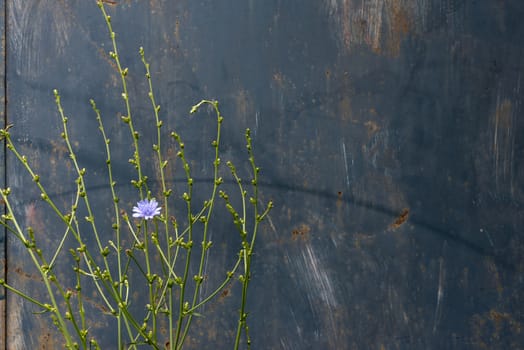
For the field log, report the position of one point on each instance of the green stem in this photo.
(47, 199)
(230, 275)
(22, 294)
(216, 183)
(83, 187)
(62, 241)
(79, 294)
(248, 248)
(125, 95)
(158, 149)
(55, 309)
(181, 312)
(149, 278)
(116, 225)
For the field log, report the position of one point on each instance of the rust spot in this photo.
(301, 232)
(495, 276)
(278, 78)
(45, 341)
(381, 25)
(225, 293)
(400, 26)
(340, 199)
(344, 107)
(401, 219)
(371, 126)
(489, 328)
(363, 240)
(109, 2)
(19, 271)
(401, 22)
(497, 316)
(243, 103)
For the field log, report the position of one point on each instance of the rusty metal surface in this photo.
(2, 171)
(389, 134)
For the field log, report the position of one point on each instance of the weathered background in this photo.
(389, 133)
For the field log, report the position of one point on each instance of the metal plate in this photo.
(389, 134)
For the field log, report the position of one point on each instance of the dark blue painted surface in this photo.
(389, 133)
(2, 173)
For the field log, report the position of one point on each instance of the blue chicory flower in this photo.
(146, 209)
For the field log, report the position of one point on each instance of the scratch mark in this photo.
(299, 329)
(256, 121)
(271, 224)
(503, 146)
(284, 344)
(318, 289)
(488, 236)
(440, 291)
(317, 278)
(334, 242)
(344, 154)
(269, 220)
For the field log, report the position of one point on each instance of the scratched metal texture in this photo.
(2, 171)
(390, 136)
